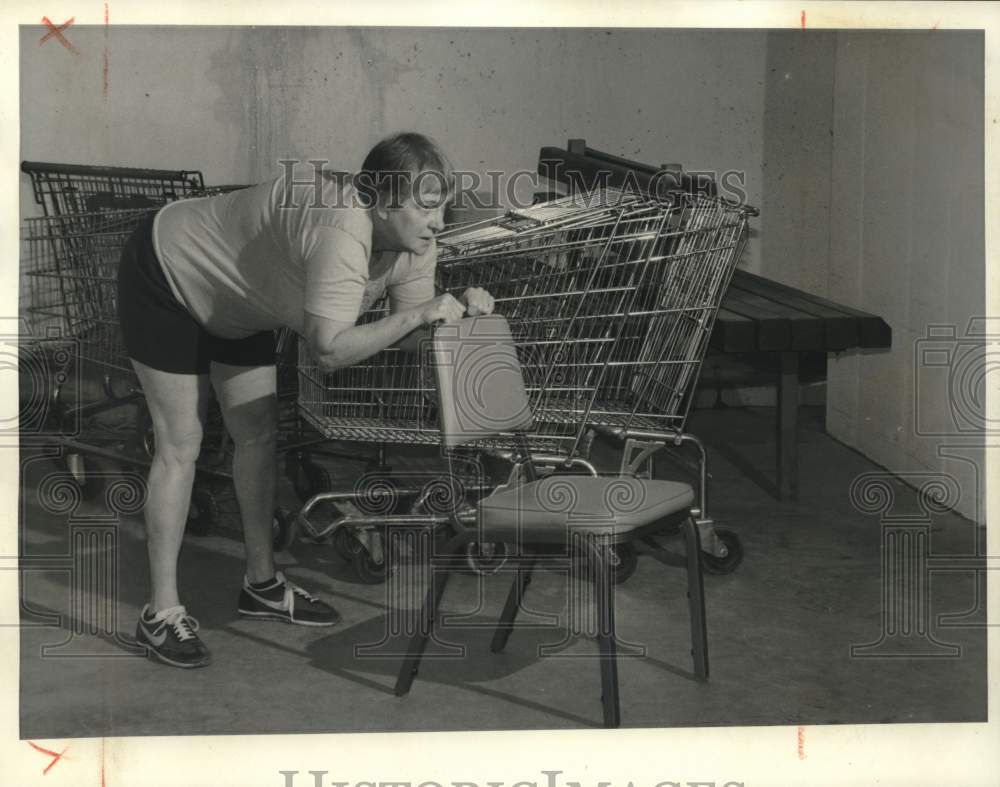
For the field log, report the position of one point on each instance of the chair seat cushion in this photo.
(603, 505)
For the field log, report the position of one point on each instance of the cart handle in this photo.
(43, 167)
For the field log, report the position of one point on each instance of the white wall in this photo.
(798, 145)
(873, 197)
(907, 225)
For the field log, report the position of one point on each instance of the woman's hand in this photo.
(443, 307)
(477, 301)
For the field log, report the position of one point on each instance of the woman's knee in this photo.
(253, 423)
(180, 446)
(263, 434)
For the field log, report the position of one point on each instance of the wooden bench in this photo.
(771, 331)
(784, 331)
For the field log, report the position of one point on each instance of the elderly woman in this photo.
(202, 287)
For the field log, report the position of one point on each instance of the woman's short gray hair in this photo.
(391, 167)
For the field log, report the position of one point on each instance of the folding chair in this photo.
(481, 395)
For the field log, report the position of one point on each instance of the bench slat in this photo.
(773, 332)
(805, 331)
(840, 330)
(733, 333)
(872, 330)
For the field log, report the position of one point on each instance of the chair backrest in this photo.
(480, 386)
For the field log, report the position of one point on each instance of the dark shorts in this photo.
(160, 332)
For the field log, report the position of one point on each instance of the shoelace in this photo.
(291, 590)
(304, 593)
(291, 587)
(184, 625)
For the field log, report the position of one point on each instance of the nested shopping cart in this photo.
(62, 189)
(71, 252)
(96, 408)
(70, 262)
(611, 298)
(71, 265)
(630, 343)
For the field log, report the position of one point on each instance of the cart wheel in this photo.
(345, 544)
(486, 558)
(308, 478)
(116, 388)
(149, 441)
(369, 570)
(284, 528)
(203, 513)
(734, 555)
(624, 561)
(87, 481)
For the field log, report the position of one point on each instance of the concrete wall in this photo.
(798, 146)
(495, 97)
(873, 197)
(232, 102)
(908, 220)
(169, 104)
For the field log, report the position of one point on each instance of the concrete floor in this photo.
(780, 627)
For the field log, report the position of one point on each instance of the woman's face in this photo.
(414, 224)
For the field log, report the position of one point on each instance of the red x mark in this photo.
(55, 756)
(57, 32)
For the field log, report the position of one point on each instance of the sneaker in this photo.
(284, 600)
(171, 636)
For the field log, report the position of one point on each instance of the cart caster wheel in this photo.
(115, 388)
(486, 558)
(369, 570)
(724, 565)
(308, 478)
(149, 442)
(345, 544)
(203, 513)
(284, 528)
(624, 561)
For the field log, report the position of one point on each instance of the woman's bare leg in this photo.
(248, 396)
(177, 405)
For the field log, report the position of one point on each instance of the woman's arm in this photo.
(475, 300)
(410, 294)
(338, 344)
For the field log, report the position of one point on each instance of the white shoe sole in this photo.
(286, 619)
(153, 654)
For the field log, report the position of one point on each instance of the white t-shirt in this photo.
(251, 260)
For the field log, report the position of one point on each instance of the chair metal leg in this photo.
(604, 593)
(418, 642)
(510, 609)
(696, 600)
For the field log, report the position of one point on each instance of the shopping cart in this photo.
(63, 189)
(70, 264)
(646, 359)
(70, 260)
(71, 253)
(611, 298)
